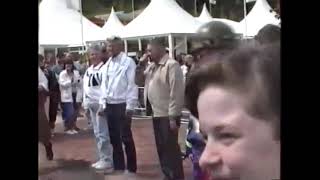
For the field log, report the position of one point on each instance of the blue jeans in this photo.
(101, 132)
(68, 114)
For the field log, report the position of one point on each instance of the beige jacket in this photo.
(164, 87)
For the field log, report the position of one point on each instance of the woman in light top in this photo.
(71, 96)
(91, 94)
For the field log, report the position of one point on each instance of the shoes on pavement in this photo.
(102, 165)
(94, 164)
(70, 132)
(75, 132)
(76, 128)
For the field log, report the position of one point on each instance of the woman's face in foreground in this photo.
(239, 146)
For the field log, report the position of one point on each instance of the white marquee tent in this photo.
(161, 18)
(60, 26)
(205, 17)
(113, 26)
(258, 17)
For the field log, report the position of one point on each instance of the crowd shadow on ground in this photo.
(61, 136)
(71, 170)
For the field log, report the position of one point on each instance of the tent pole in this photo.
(126, 46)
(80, 1)
(245, 15)
(171, 46)
(195, 8)
(140, 45)
(185, 45)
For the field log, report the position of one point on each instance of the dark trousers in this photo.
(76, 107)
(53, 107)
(168, 149)
(120, 132)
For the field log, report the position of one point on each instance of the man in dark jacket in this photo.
(54, 91)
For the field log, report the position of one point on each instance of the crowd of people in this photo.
(231, 87)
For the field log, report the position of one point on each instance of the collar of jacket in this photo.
(118, 57)
(98, 66)
(164, 59)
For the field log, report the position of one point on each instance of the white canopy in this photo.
(60, 26)
(161, 17)
(205, 17)
(258, 17)
(113, 26)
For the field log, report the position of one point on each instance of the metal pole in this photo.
(245, 15)
(140, 44)
(186, 44)
(132, 9)
(195, 8)
(210, 8)
(81, 19)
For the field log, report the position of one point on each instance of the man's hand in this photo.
(129, 113)
(101, 111)
(144, 59)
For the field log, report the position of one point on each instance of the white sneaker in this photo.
(94, 164)
(102, 165)
(74, 131)
(70, 132)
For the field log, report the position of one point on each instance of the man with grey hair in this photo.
(119, 97)
(164, 93)
(92, 81)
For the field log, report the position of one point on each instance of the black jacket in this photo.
(52, 81)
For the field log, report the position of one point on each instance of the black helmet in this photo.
(214, 35)
(268, 34)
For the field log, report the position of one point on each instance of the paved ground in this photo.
(75, 153)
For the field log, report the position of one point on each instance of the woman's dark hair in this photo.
(252, 72)
(60, 55)
(68, 60)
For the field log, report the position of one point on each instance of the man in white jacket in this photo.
(91, 95)
(119, 97)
